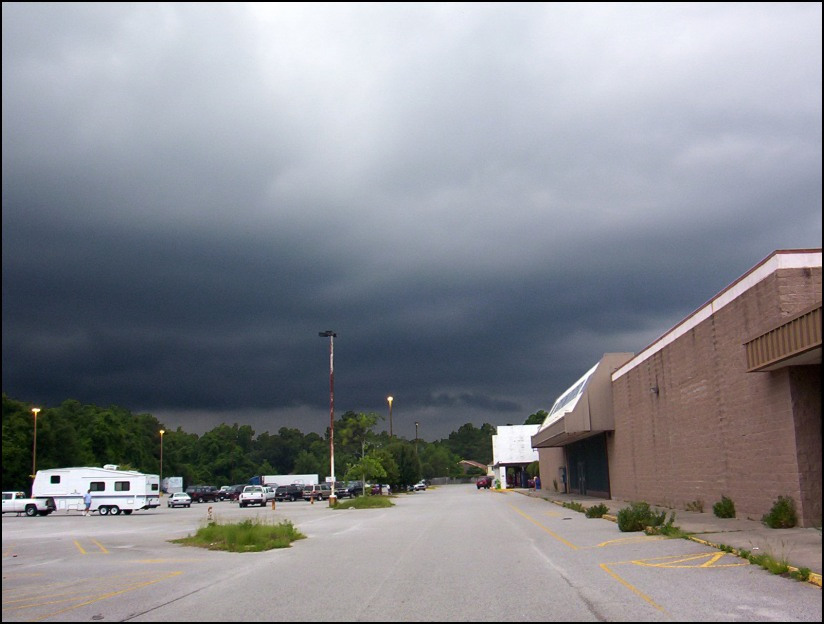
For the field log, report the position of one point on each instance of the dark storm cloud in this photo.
(480, 199)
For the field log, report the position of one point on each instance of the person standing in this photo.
(87, 501)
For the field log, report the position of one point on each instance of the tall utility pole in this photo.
(389, 398)
(34, 410)
(333, 500)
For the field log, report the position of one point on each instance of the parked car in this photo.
(420, 485)
(288, 492)
(484, 482)
(314, 492)
(252, 495)
(355, 488)
(269, 493)
(233, 493)
(341, 490)
(203, 493)
(179, 499)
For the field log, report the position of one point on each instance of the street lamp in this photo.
(161, 462)
(389, 398)
(416, 438)
(34, 410)
(333, 500)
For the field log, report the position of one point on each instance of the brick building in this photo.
(728, 402)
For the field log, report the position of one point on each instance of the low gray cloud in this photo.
(481, 199)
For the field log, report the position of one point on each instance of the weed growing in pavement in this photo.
(725, 508)
(597, 511)
(782, 515)
(801, 574)
(575, 506)
(638, 516)
(770, 563)
(696, 505)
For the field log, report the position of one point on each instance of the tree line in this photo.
(74, 434)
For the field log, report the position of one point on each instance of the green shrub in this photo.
(575, 506)
(638, 516)
(782, 515)
(597, 511)
(724, 509)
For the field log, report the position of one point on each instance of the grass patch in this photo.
(366, 502)
(251, 535)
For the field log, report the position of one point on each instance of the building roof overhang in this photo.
(795, 342)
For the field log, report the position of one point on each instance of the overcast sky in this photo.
(480, 199)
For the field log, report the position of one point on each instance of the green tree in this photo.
(537, 418)
(367, 468)
(407, 465)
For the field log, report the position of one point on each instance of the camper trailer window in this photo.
(121, 486)
(154, 487)
(97, 486)
(55, 479)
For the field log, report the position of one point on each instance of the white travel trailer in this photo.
(113, 490)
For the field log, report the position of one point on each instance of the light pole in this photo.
(161, 461)
(416, 438)
(34, 410)
(389, 398)
(333, 500)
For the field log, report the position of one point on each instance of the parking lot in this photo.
(447, 553)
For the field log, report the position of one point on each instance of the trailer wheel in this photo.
(103, 511)
(31, 511)
(115, 510)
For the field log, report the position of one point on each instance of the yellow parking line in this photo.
(632, 588)
(83, 551)
(555, 535)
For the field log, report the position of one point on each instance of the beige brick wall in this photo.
(715, 430)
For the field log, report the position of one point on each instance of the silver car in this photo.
(179, 499)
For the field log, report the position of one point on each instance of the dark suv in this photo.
(203, 493)
(288, 492)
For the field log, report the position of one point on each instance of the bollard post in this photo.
(273, 504)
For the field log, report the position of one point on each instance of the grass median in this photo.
(365, 502)
(251, 535)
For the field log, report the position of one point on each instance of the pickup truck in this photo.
(252, 495)
(16, 502)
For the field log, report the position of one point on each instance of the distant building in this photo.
(512, 448)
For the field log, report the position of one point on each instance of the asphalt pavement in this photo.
(799, 548)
